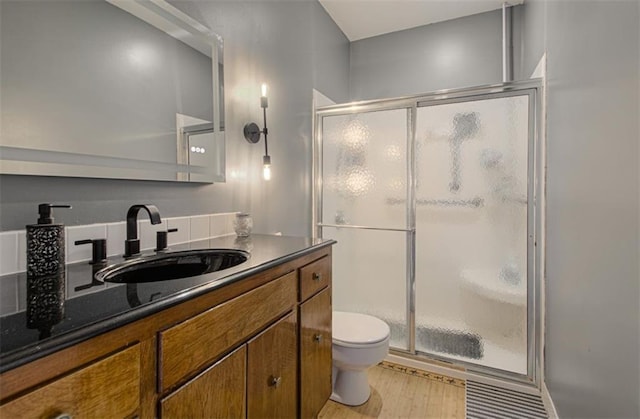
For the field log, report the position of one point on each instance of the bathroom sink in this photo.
(172, 265)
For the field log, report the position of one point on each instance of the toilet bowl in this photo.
(359, 342)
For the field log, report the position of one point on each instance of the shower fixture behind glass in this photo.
(432, 201)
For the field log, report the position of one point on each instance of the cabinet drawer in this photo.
(315, 353)
(188, 346)
(314, 277)
(109, 388)
(219, 392)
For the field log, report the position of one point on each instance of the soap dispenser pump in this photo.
(45, 270)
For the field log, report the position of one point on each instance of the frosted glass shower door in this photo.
(364, 174)
(472, 230)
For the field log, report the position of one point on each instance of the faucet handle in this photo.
(98, 249)
(161, 238)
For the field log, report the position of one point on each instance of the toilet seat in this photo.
(354, 330)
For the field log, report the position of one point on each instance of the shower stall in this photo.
(432, 200)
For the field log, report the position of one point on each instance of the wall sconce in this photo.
(252, 134)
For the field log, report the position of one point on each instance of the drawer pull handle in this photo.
(63, 416)
(275, 381)
(316, 276)
(317, 338)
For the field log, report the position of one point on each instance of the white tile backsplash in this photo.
(82, 252)
(8, 252)
(8, 295)
(199, 227)
(116, 235)
(22, 295)
(221, 224)
(216, 225)
(13, 244)
(22, 251)
(183, 224)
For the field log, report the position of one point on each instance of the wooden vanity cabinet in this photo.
(261, 375)
(315, 336)
(246, 373)
(259, 347)
(186, 347)
(315, 353)
(109, 387)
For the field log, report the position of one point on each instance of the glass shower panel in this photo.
(364, 184)
(369, 276)
(471, 231)
(364, 166)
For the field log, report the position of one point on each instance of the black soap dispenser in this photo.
(45, 271)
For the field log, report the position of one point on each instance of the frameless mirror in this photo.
(128, 89)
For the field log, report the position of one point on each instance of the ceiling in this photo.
(361, 19)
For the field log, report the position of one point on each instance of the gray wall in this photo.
(528, 38)
(292, 45)
(456, 53)
(593, 315)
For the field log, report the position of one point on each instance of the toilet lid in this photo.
(356, 328)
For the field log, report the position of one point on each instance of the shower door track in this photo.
(532, 88)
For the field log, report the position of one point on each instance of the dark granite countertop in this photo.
(91, 310)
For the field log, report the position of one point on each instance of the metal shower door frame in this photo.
(531, 88)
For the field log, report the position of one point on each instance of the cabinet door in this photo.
(272, 371)
(109, 388)
(219, 392)
(315, 353)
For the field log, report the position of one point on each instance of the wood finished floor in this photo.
(404, 394)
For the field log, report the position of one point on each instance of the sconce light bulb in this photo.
(266, 167)
(264, 89)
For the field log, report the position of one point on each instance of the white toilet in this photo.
(359, 342)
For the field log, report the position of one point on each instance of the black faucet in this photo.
(132, 244)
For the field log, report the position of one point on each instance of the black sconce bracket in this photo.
(252, 132)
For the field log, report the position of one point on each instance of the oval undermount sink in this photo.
(172, 265)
